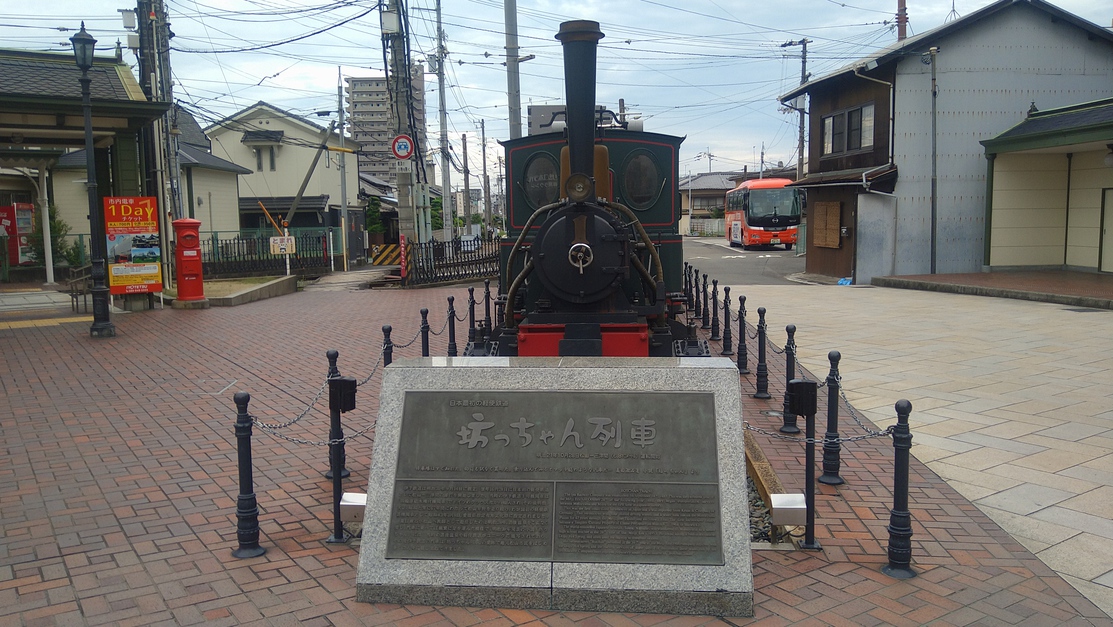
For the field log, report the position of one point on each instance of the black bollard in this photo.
(695, 293)
(900, 519)
(762, 368)
(341, 398)
(788, 424)
(247, 509)
(743, 349)
(831, 446)
(486, 309)
(451, 327)
(803, 400)
(715, 311)
(471, 314)
(728, 345)
(424, 332)
(688, 285)
(388, 346)
(706, 314)
(334, 373)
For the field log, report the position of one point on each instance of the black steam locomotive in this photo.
(592, 263)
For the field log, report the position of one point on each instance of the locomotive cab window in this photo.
(542, 185)
(641, 180)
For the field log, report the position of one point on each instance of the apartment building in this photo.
(373, 124)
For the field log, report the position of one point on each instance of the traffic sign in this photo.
(402, 147)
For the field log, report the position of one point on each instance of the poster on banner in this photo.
(134, 246)
(402, 251)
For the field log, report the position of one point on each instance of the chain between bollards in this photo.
(728, 346)
(900, 519)
(788, 418)
(743, 350)
(247, 508)
(831, 445)
(762, 369)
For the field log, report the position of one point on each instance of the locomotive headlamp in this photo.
(579, 187)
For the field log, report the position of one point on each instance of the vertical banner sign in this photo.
(134, 247)
(402, 251)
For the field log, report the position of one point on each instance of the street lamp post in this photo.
(83, 45)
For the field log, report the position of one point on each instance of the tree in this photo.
(436, 213)
(60, 248)
(373, 217)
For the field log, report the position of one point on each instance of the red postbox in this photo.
(187, 257)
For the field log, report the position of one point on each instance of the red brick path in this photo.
(118, 486)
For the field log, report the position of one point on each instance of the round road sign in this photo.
(402, 147)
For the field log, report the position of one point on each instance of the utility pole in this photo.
(170, 121)
(393, 29)
(513, 88)
(467, 188)
(343, 174)
(446, 160)
(486, 179)
(803, 43)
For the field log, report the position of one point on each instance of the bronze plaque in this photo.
(624, 477)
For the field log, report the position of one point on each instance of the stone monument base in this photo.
(583, 553)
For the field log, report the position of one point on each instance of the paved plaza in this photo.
(118, 487)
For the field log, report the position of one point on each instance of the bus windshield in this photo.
(766, 203)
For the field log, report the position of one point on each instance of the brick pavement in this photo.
(118, 489)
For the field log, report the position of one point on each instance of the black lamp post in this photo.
(83, 44)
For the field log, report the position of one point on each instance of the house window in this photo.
(258, 159)
(271, 150)
(848, 131)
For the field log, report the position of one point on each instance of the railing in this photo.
(246, 255)
(459, 259)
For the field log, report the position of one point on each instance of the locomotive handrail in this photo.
(525, 230)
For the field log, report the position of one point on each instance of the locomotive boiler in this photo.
(592, 261)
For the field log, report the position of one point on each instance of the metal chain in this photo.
(442, 328)
(872, 434)
(854, 414)
(263, 427)
(301, 415)
(412, 340)
(374, 368)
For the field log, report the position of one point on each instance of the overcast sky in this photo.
(709, 70)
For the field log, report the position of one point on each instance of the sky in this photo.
(707, 70)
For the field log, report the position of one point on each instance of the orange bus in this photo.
(763, 212)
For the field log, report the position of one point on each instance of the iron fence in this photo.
(245, 255)
(458, 259)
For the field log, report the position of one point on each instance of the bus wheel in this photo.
(788, 246)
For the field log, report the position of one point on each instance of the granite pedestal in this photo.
(571, 558)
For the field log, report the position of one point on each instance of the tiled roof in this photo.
(56, 75)
(708, 180)
(1089, 114)
(262, 137)
(281, 204)
(191, 130)
(191, 156)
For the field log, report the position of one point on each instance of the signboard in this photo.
(134, 247)
(402, 255)
(283, 245)
(402, 147)
(593, 476)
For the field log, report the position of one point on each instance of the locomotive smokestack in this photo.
(580, 39)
